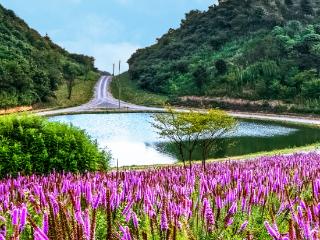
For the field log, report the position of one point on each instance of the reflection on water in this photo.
(253, 129)
(136, 153)
(130, 137)
(132, 140)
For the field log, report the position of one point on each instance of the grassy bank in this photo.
(295, 150)
(130, 92)
(82, 92)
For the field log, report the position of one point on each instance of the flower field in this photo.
(268, 198)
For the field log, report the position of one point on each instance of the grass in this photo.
(82, 92)
(308, 148)
(130, 92)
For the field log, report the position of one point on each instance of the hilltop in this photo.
(256, 50)
(32, 67)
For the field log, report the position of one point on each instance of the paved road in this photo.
(275, 117)
(103, 100)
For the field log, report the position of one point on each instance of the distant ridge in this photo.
(31, 66)
(250, 49)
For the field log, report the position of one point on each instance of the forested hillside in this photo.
(250, 49)
(32, 66)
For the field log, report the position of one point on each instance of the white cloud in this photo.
(105, 36)
(108, 53)
(105, 53)
(97, 36)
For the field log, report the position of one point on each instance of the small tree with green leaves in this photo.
(190, 129)
(169, 126)
(213, 125)
(70, 72)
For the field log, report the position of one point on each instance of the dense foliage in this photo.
(32, 66)
(30, 144)
(253, 49)
(268, 198)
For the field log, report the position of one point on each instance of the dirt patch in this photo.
(15, 110)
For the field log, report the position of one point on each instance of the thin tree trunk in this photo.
(182, 156)
(70, 86)
(190, 159)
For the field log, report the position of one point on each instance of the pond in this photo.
(133, 141)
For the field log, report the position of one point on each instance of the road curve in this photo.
(103, 100)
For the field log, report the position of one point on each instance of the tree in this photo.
(288, 2)
(213, 125)
(311, 89)
(70, 72)
(221, 66)
(169, 127)
(306, 7)
(190, 129)
(200, 76)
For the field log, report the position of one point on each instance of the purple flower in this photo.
(87, 223)
(208, 214)
(15, 216)
(233, 209)
(45, 223)
(272, 232)
(96, 202)
(23, 218)
(164, 221)
(135, 220)
(125, 233)
(40, 235)
(243, 226)
(3, 231)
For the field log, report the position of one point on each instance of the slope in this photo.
(32, 67)
(252, 49)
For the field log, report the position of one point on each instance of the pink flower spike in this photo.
(135, 220)
(243, 226)
(272, 232)
(15, 217)
(40, 234)
(23, 218)
(164, 221)
(45, 223)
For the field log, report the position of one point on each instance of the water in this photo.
(132, 140)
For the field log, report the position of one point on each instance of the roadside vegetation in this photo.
(130, 92)
(252, 50)
(33, 145)
(82, 92)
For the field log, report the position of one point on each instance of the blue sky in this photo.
(109, 30)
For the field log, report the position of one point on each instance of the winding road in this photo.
(103, 101)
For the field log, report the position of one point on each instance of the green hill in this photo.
(250, 49)
(32, 67)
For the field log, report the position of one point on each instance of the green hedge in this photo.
(31, 144)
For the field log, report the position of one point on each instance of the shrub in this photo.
(31, 144)
(221, 66)
(311, 89)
